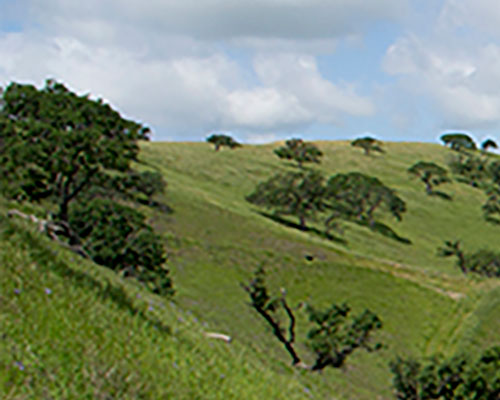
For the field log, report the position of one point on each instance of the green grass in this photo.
(95, 336)
(72, 330)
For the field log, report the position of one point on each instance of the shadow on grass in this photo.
(384, 230)
(47, 260)
(290, 224)
(157, 205)
(442, 195)
(492, 220)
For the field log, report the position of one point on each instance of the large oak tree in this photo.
(54, 142)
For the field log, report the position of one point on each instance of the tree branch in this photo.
(52, 230)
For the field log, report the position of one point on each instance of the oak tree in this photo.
(298, 194)
(458, 141)
(488, 144)
(76, 154)
(299, 151)
(358, 196)
(368, 144)
(430, 174)
(222, 140)
(54, 142)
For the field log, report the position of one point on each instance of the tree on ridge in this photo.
(368, 144)
(222, 140)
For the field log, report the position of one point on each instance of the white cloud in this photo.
(299, 74)
(172, 63)
(460, 79)
(187, 94)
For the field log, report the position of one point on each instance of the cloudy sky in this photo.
(265, 70)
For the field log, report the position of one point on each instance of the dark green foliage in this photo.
(269, 309)
(299, 151)
(54, 142)
(222, 140)
(457, 378)
(482, 262)
(491, 208)
(458, 141)
(430, 174)
(494, 172)
(140, 187)
(353, 196)
(118, 237)
(299, 194)
(358, 196)
(336, 335)
(471, 170)
(368, 144)
(405, 380)
(488, 144)
(452, 249)
(76, 154)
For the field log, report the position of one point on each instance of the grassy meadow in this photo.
(73, 330)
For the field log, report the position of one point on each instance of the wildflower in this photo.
(48, 291)
(19, 365)
(175, 365)
(17, 291)
(150, 308)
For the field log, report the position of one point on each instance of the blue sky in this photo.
(266, 70)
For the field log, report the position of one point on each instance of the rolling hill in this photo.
(71, 329)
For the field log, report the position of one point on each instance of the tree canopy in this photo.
(334, 334)
(430, 174)
(299, 151)
(54, 142)
(458, 141)
(482, 262)
(358, 196)
(458, 377)
(491, 208)
(488, 144)
(77, 154)
(222, 140)
(118, 237)
(299, 194)
(470, 169)
(368, 144)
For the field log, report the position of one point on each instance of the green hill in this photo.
(71, 329)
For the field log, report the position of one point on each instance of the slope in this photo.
(217, 240)
(71, 329)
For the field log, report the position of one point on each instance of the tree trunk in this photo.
(279, 335)
(302, 223)
(63, 211)
(461, 262)
(428, 186)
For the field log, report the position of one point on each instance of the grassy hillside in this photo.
(95, 330)
(72, 330)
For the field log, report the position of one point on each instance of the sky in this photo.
(267, 70)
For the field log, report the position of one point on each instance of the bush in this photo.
(118, 237)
